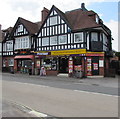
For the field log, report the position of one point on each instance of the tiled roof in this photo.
(31, 27)
(80, 19)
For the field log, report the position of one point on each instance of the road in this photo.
(57, 100)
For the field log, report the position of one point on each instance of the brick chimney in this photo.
(44, 14)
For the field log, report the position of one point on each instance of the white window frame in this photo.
(45, 41)
(53, 20)
(20, 28)
(78, 37)
(62, 39)
(53, 40)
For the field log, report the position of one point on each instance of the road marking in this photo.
(32, 84)
(28, 110)
(37, 114)
(96, 93)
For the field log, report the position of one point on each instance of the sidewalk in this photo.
(96, 81)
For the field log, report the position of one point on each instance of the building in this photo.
(70, 42)
(73, 41)
(7, 51)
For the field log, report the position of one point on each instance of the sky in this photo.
(10, 10)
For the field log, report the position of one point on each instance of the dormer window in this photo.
(20, 28)
(97, 19)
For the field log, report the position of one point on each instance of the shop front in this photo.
(71, 62)
(24, 64)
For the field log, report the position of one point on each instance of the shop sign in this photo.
(69, 52)
(42, 53)
(95, 66)
(89, 67)
(101, 63)
(23, 52)
(38, 63)
(95, 54)
(70, 66)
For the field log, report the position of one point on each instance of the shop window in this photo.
(50, 63)
(11, 62)
(78, 61)
(4, 62)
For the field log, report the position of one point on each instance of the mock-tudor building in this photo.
(74, 41)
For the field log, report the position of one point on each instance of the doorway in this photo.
(63, 65)
(95, 65)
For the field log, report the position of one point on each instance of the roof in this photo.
(30, 26)
(80, 19)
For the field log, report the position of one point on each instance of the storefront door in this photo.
(63, 65)
(95, 65)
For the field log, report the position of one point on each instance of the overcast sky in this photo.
(10, 10)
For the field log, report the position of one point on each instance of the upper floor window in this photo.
(53, 20)
(94, 36)
(53, 40)
(20, 28)
(9, 45)
(62, 39)
(78, 37)
(105, 41)
(23, 42)
(97, 19)
(45, 41)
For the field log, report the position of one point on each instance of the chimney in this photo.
(44, 14)
(83, 7)
(0, 33)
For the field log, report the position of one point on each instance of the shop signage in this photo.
(42, 53)
(89, 68)
(101, 63)
(68, 52)
(70, 66)
(95, 66)
(94, 54)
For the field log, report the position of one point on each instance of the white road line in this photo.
(37, 114)
(32, 84)
(96, 93)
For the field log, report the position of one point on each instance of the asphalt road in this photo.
(62, 84)
(55, 99)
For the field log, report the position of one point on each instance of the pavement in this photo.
(97, 81)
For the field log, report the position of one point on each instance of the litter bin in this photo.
(30, 71)
(78, 74)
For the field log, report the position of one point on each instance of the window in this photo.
(20, 28)
(97, 19)
(9, 45)
(63, 39)
(53, 20)
(11, 62)
(78, 37)
(23, 42)
(105, 39)
(45, 41)
(53, 40)
(94, 36)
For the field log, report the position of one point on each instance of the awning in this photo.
(24, 57)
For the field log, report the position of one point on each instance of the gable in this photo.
(20, 30)
(54, 24)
